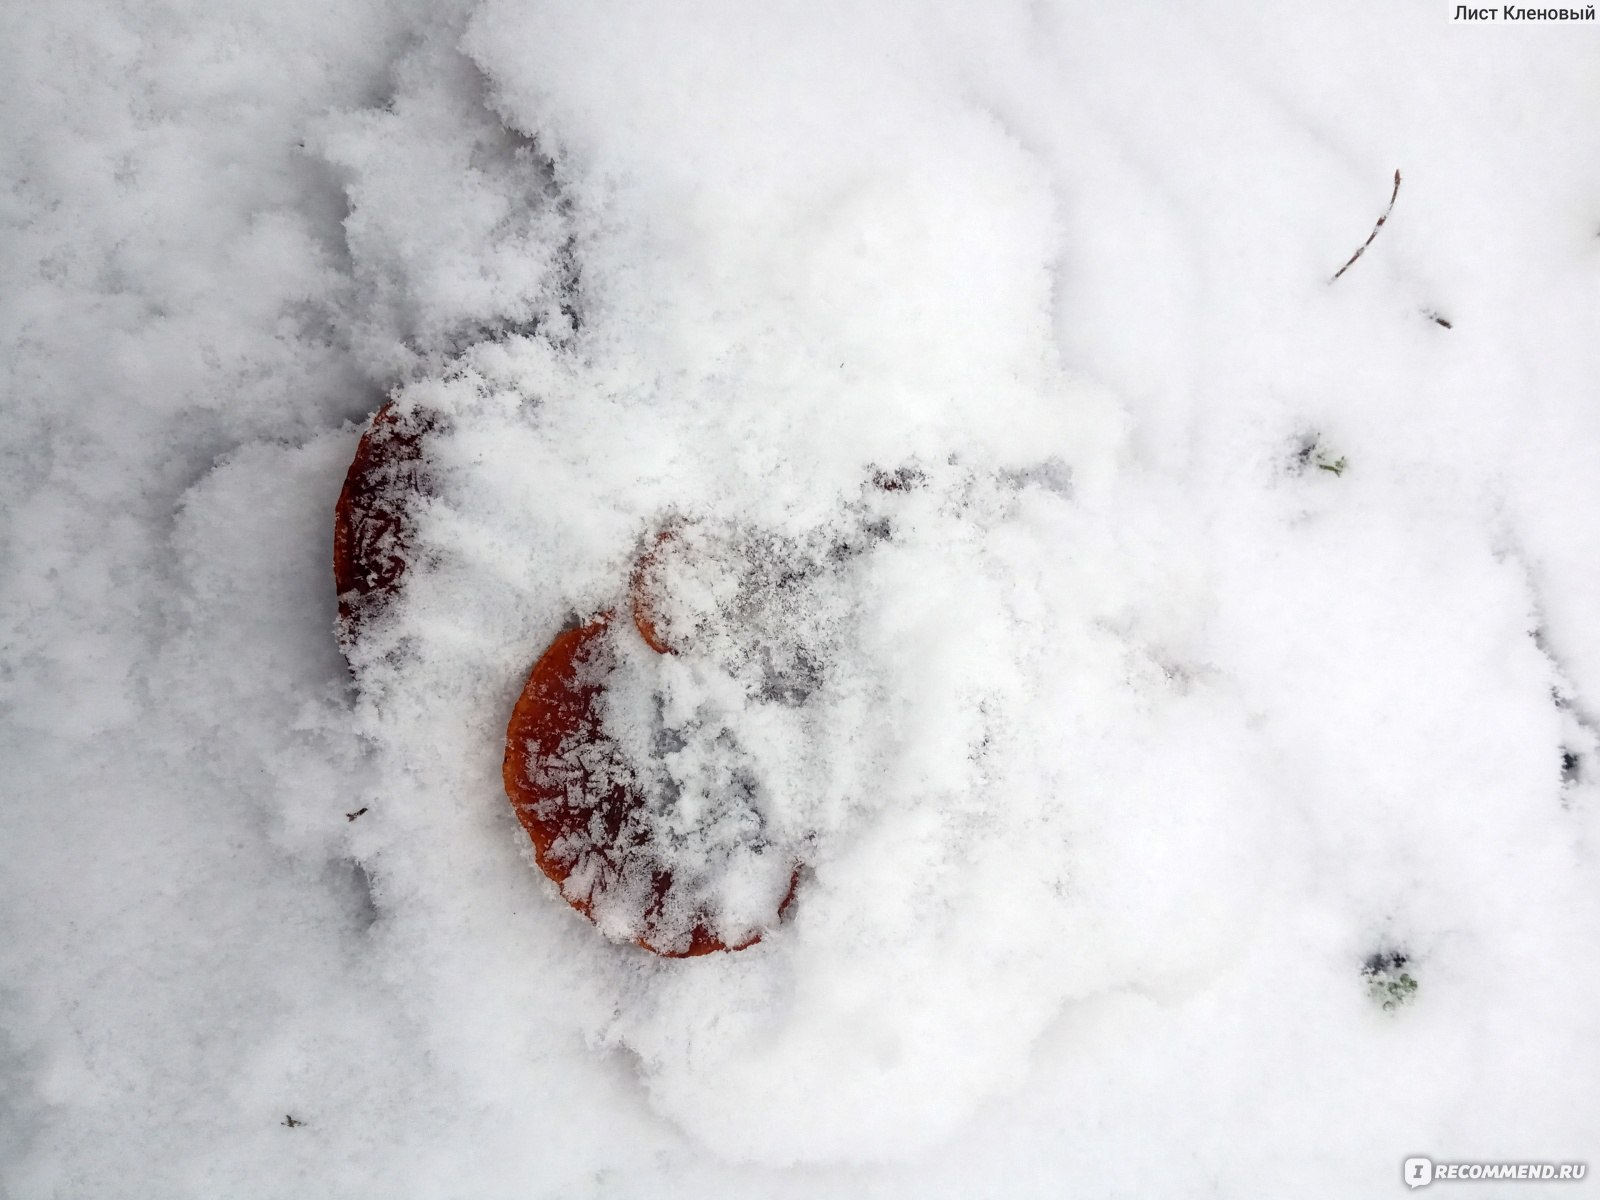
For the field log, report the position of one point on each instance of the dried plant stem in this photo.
(1362, 249)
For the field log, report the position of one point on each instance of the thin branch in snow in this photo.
(1363, 247)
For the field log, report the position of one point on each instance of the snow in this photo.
(1219, 648)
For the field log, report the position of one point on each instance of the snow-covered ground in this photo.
(1195, 765)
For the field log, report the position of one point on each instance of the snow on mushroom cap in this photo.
(906, 683)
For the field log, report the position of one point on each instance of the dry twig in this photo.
(1363, 248)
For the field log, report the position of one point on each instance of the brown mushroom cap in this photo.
(644, 595)
(558, 709)
(560, 798)
(372, 529)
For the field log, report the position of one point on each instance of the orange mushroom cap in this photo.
(553, 795)
(558, 710)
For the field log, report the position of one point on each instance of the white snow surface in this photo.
(1225, 647)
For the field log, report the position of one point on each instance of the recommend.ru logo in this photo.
(1419, 1172)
